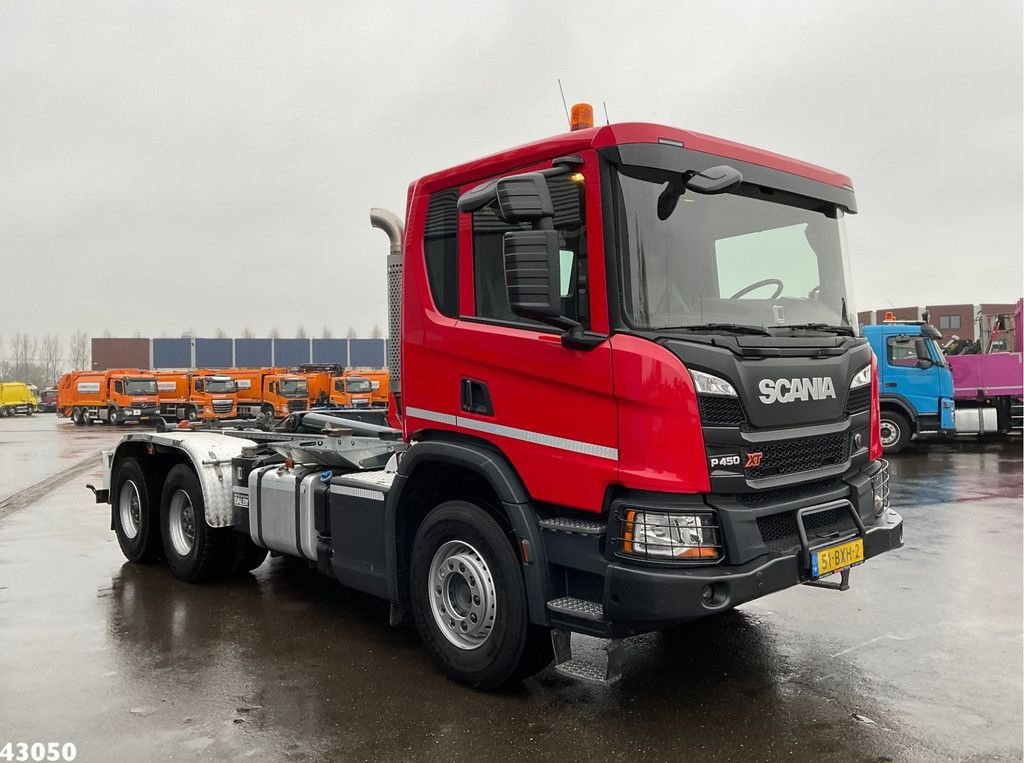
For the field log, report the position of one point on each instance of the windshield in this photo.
(753, 257)
(294, 388)
(221, 385)
(358, 385)
(140, 386)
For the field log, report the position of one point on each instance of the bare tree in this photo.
(300, 333)
(107, 334)
(25, 348)
(53, 357)
(326, 332)
(247, 333)
(220, 333)
(274, 333)
(351, 334)
(137, 335)
(78, 351)
(376, 333)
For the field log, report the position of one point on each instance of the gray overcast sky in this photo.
(175, 166)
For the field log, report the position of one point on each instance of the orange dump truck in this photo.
(114, 396)
(268, 390)
(196, 395)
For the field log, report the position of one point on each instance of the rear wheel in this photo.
(895, 431)
(469, 599)
(136, 515)
(30, 411)
(77, 417)
(194, 551)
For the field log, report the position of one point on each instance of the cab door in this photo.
(905, 375)
(548, 408)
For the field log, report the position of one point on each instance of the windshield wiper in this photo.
(736, 328)
(846, 330)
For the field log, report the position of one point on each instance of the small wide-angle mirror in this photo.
(715, 179)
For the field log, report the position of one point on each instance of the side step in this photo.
(581, 670)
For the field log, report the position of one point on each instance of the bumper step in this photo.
(582, 670)
(579, 608)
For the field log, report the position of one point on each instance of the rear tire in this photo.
(77, 417)
(136, 514)
(469, 599)
(895, 432)
(195, 552)
(30, 411)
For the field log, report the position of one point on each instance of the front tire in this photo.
(469, 599)
(895, 432)
(136, 514)
(195, 552)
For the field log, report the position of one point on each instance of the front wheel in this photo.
(194, 551)
(469, 599)
(193, 414)
(895, 432)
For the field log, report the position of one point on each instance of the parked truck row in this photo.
(610, 412)
(122, 395)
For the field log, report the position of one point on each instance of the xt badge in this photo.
(753, 459)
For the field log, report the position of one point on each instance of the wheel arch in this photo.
(455, 467)
(900, 405)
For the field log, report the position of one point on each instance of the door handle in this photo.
(890, 384)
(475, 397)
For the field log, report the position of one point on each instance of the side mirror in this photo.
(924, 358)
(715, 179)
(524, 198)
(532, 274)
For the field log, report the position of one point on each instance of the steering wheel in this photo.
(758, 285)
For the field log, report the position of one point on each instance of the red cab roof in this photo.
(632, 132)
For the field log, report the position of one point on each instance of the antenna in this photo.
(564, 106)
(607, 121)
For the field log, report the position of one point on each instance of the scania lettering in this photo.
(788, 390)
(577, 326)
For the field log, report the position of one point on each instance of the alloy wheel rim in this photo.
(463, 598)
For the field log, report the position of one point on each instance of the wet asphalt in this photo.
(920, 660)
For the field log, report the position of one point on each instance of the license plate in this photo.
(136, 412)
(241, 501)
(835, 558)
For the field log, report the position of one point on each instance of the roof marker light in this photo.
(582, 116)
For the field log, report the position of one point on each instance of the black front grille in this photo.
(719, 411)
(779, 531)
(797, 455)
(789, 493)
(859, 400)
(296, 405)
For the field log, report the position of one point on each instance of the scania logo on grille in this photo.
(788, 390)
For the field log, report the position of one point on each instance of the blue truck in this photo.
(915, 384)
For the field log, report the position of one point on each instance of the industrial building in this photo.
(949, 319)
(199, 352)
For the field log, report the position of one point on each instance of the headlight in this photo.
(862, 377)
(661, 535)
(707, 384)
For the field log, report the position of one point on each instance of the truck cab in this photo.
(285, 393)
(352, 391)
(17, 397)
(915, 382)
(214, 396)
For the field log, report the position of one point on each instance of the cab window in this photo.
(902, 351)
(118, 388)
(489, 265)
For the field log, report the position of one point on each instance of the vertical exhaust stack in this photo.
(391, 224)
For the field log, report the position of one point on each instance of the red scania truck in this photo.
(626, 392)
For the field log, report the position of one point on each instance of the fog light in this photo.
(661, 535)
(707, 594)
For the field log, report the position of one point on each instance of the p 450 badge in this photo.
(724, 462)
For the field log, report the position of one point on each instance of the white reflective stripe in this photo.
(525, 435)
(357, 492)
(440, 418)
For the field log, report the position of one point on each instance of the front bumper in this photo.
(637, 599)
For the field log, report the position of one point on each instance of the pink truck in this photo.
(988, 386)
